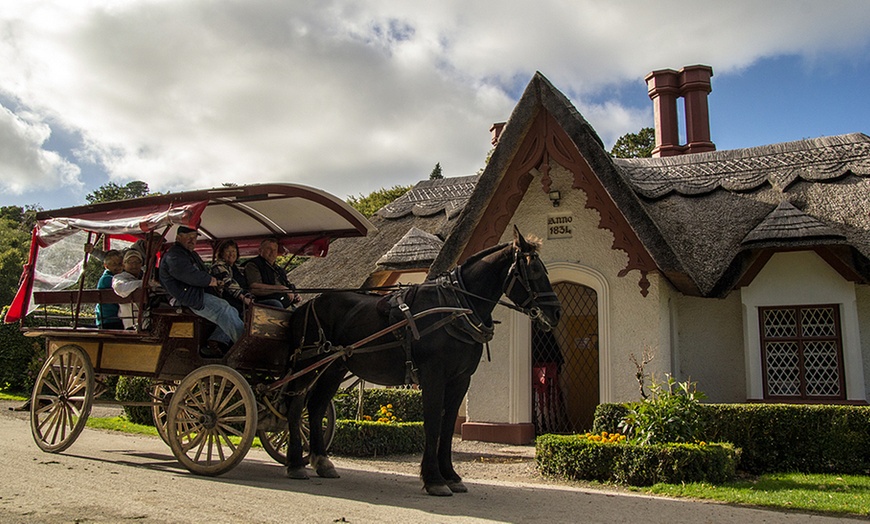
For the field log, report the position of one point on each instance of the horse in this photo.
(439, 350)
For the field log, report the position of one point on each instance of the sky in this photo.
(351, 96)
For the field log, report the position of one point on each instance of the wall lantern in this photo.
(555, 197)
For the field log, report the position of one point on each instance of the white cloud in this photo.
(24, 163)
(351, 96)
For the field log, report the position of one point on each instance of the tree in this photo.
(635, 145)
(436, 172)
(112, 191)
(14, 244)
(370, 204)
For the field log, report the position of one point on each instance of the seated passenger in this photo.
(125, 283)
(267, 281)
(232, 284)
(183, 274)
(107, 314)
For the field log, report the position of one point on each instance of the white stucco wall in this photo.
(709, 342)
(801, 278)
(628, 322)
(862, 298)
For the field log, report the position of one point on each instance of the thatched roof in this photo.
(416, 249)
(410, 231)
(704, 218)
(716, 209)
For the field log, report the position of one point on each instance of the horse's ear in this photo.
(520, 240)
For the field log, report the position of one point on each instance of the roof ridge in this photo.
(817, 159)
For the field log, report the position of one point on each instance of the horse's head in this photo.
(528, 285)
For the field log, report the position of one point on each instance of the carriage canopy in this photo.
(303, 220)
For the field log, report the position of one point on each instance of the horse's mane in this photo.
(533, 241)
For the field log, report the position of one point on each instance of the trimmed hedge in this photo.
(135, 389)
(568, 456)
(780, 437)
(362, 438)
(16, 354)
(407, 403)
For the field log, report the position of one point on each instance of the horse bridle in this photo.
(519, 274)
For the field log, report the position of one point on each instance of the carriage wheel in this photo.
(61, 399)
(275, 442)
(162, 396)
(212, 420)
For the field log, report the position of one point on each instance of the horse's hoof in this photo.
(324, 467)
(438, 490)
(297, 473)
(457, 487)
(328, 473)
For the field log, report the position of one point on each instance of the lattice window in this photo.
(802, 353)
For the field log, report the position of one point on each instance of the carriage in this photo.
(207, 410)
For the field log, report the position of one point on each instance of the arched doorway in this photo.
(565, 364)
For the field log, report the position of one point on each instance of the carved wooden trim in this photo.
(546, 141)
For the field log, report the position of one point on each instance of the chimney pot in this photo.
(496, 130)
(663, 87)
(694, 87)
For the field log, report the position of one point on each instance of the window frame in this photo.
(801, 340)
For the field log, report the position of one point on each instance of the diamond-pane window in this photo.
(802, 353)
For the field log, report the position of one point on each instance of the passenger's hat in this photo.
(184, 229)
(131, 253)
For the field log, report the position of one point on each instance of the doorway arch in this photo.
(570, 367)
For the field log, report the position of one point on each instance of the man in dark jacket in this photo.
(267, 281)
(185, 277)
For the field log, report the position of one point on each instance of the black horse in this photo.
(439, 350)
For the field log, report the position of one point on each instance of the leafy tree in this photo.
(112, 191)
(24, 218)
(486, 161)
(14, 244)
(370, 204)
(635, 145)
(436, 172)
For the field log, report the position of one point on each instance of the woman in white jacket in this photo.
(125, 283)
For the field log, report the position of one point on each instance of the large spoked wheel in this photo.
(212, 420)
(61, 399)
(275, 442)
(161, 395)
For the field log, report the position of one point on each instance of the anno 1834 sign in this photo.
(560, 225)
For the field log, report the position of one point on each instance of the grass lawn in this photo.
(124, 425)
(840, 494)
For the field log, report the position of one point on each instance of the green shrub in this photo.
(362, 438)
(407, 403)
(779, 437)
(579, 458)
(16, 354)
(670, 414)
(135, 389)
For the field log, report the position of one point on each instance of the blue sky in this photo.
(352, 96)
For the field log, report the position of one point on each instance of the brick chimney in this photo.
(496, 130)
(664, 87)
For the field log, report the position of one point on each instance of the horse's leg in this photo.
(295, 464)
(433, 405)
(453, 395)
(318, 401)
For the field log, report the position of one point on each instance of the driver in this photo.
(185, 277)
(268, 281)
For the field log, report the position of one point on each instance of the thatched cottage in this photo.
(745, 271)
